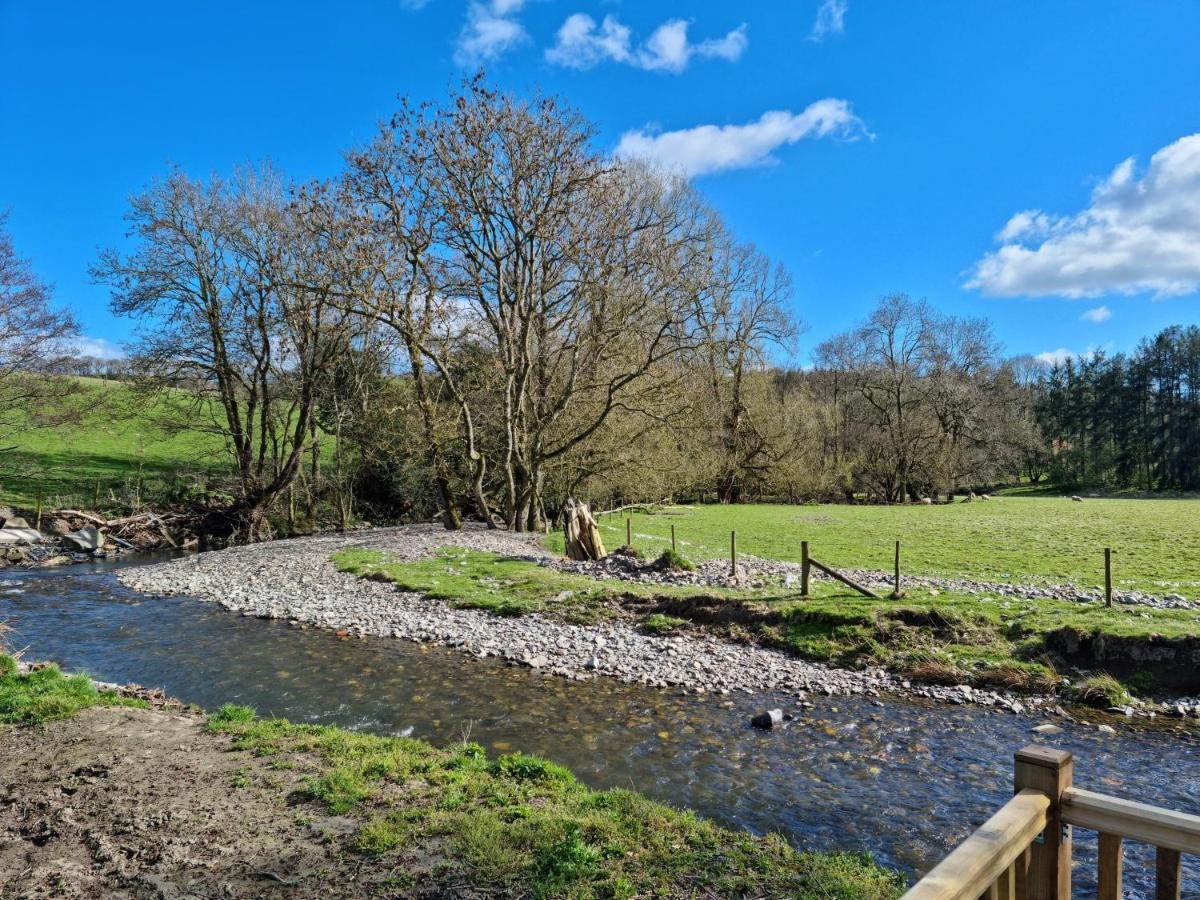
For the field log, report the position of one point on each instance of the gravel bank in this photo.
(294, 580)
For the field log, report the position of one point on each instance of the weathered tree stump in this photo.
(582, 537)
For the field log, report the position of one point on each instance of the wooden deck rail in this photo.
(1023, 852)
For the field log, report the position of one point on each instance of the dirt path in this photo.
(119, 802)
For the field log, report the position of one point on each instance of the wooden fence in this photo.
(1024, 850)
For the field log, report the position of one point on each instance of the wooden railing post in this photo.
(1112, 864)
(1051, 772)
(1166, 874)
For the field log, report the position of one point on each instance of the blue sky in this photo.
(973, 153)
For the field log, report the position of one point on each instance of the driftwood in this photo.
(582, 537)
(87, 517)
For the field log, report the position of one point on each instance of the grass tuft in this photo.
(46, 694)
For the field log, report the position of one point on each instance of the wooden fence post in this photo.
(1051, 772)
(733, 553)
(896, 592)
(673, 548)
(628, 532)
(804, 568)
(1108, 576)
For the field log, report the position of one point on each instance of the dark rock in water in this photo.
(772, 718)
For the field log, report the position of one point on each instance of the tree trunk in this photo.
(582, 537)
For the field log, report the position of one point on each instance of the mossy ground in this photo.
(523, 826)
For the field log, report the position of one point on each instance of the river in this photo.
(904, 780)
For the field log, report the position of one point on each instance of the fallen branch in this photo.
(87, 517)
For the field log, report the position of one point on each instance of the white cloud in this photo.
(100, 348)
(1055, 357)
(582, 43)
(831, 19)
(714, 148)
(1140, 234)
(1098, 314)
(490, 31)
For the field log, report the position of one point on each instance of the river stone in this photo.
(15, 522)
(16, 536)
(1047, 728)
(58, 527)
(771, 718)
(88, 538)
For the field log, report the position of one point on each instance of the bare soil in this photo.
(118, 802)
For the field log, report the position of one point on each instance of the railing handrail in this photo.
(1024, 850)
(1140, 822)
(976, 864)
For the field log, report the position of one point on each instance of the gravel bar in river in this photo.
(295, 580)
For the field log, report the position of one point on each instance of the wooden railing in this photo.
(1023, 852)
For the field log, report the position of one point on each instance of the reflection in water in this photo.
(904, 780)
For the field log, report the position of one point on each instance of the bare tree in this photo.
(510, 237)
(746, 319)
(35, 341)
(235, 300)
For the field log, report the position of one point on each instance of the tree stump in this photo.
(582, 537)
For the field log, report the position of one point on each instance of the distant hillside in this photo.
(110, 441)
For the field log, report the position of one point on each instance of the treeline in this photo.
(481, 316)
(1126, 421)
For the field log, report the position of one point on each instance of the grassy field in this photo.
(110, 441)
(514, 825)
(1017, 538)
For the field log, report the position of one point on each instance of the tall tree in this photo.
(235, 301)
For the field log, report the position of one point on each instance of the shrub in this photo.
(660, 624)
(522, 767)
(669, 560)
(1100, 690)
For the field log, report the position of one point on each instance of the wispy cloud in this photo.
(491, 30)
(831, 19)
(1139, 235)
(1054, 357)
(1062, 354)
(97, 347)
(715, 148)
(581, 43)
(1097, 314)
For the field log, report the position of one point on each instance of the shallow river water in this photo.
(904, 780)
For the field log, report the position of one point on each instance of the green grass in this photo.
(934, 637)
(502, 585)
(1021, 538)
(48, 694)
(114, 442)
(519, 825)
